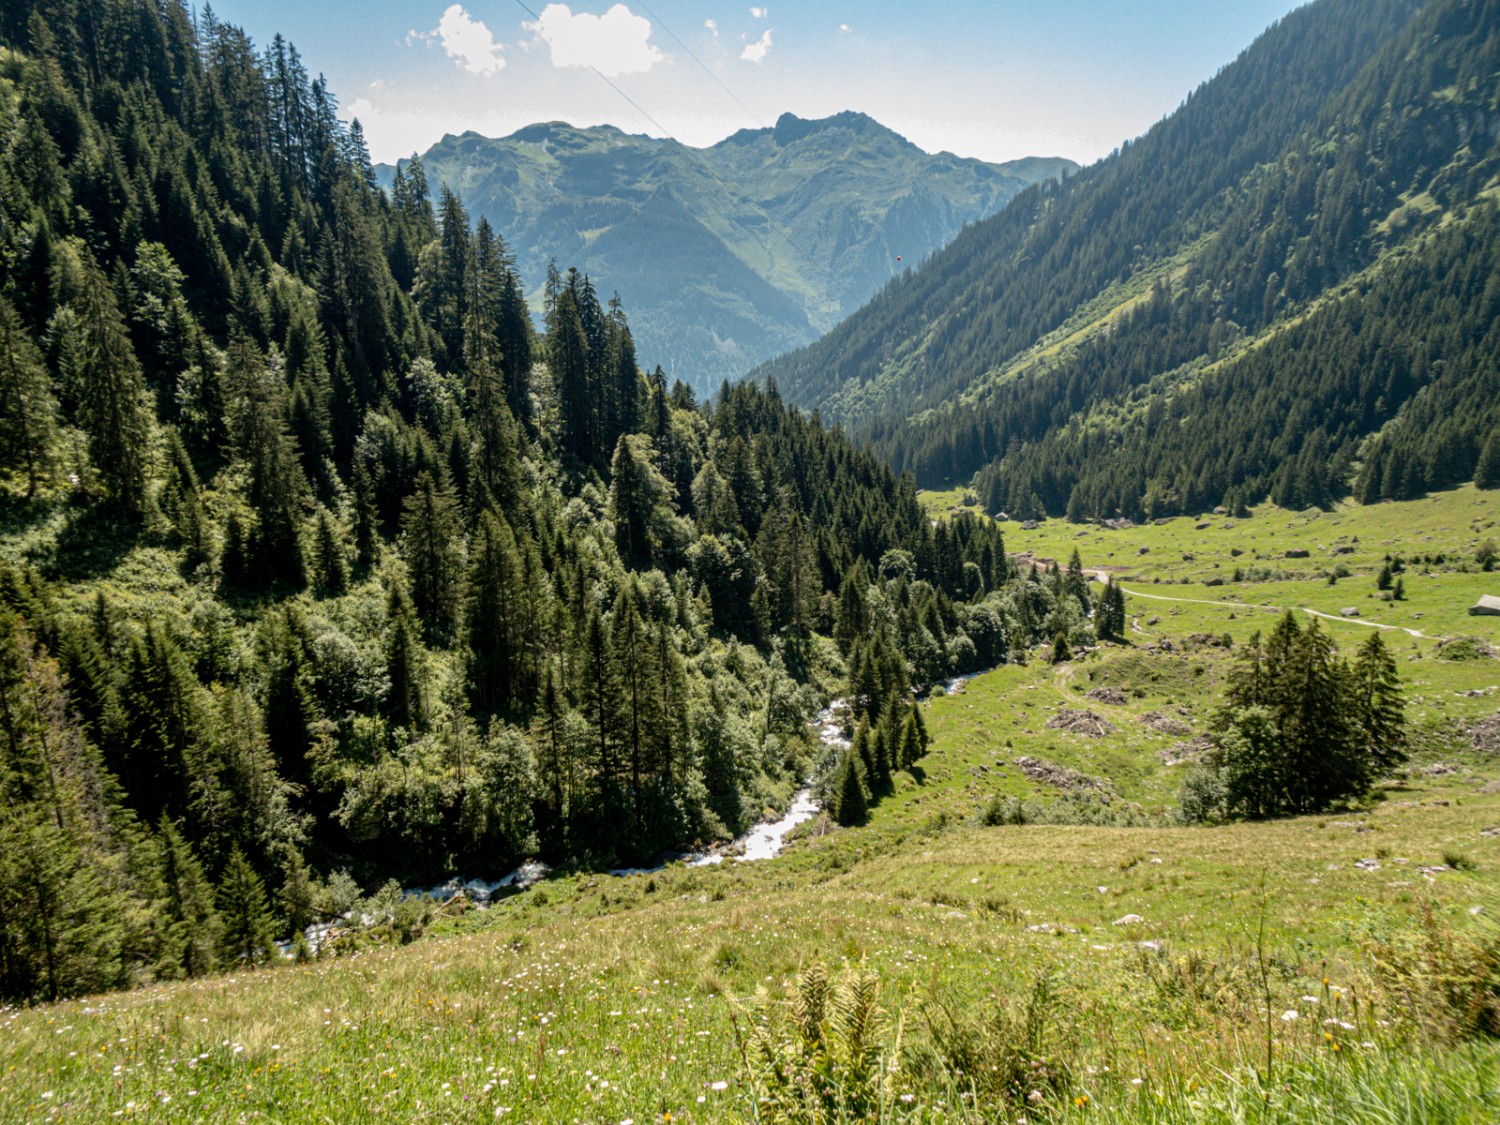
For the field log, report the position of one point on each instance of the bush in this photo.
(1202, 797)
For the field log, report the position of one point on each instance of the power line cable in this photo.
(706, 70)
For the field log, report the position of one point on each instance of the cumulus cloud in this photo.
(755, 52)
(618, 42)
(758, 13)
(467, 41)
(713, 26)
(844, 27)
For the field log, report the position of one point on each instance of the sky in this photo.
(992, 79)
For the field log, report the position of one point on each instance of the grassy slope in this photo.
(536, 1004)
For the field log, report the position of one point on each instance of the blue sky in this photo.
(995, 80)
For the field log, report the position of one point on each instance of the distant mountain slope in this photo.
(1272, 291)
(732, 254)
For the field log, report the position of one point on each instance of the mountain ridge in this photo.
(823, 210)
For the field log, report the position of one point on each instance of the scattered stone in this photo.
(1164, 724)
(1200, 640)
(1180, 753)
(1221, 510)
(1121, 524)
(1367, 864)
(1343, 549)
(1129, 920)
(1162, 521)
(1215, 581)
(1111, 695)
(1235, 552)
(1081, 722)
(1297, 553)
(1153, 620)
(1440, 769)
(1143, 550)
(1228, 525)
(1052, 774)
(1476, 910)
(1490, 833)
(1204, 526)
(1029, 525)
(1349, 611)
(1157, 860)
(1050, 928)
(1485, 735)
(1186, 557)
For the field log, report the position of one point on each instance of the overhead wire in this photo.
(706, 68)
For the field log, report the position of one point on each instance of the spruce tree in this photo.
(433, 542)
(246, 937)
(1487, 470)
(190, 924)
(113, 408)
(850, 801)
(493, 617)
(403, 658)
(330, 569)
(1379, 711)
(28, 411)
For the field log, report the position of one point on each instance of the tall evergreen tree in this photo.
(245, 915)
(113, 407)
(28, 409)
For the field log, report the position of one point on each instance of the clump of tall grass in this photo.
(1080, 809)
(1447, 982)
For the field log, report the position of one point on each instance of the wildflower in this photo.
(721, 1085)
(1289, 1015)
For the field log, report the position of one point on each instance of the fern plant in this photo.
(820, 1056)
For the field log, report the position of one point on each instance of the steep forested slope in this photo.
(1299, 258)
(319, 567)
(732, 254)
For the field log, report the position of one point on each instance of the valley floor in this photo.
(1312, 969)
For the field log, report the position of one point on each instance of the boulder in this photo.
(1297, 553)
(1487, 606)
(1348, 611)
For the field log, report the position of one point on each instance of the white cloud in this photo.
(467, 41)
(615, 43)
(713, 26)
(758, 13)
(755, 52)
(845, 27)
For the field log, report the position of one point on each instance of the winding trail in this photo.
(1100, 575)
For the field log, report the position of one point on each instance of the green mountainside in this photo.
(731, 254)
(322, 569)
(1285, 288)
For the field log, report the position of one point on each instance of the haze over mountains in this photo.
(1288, 287)
(729, 255)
